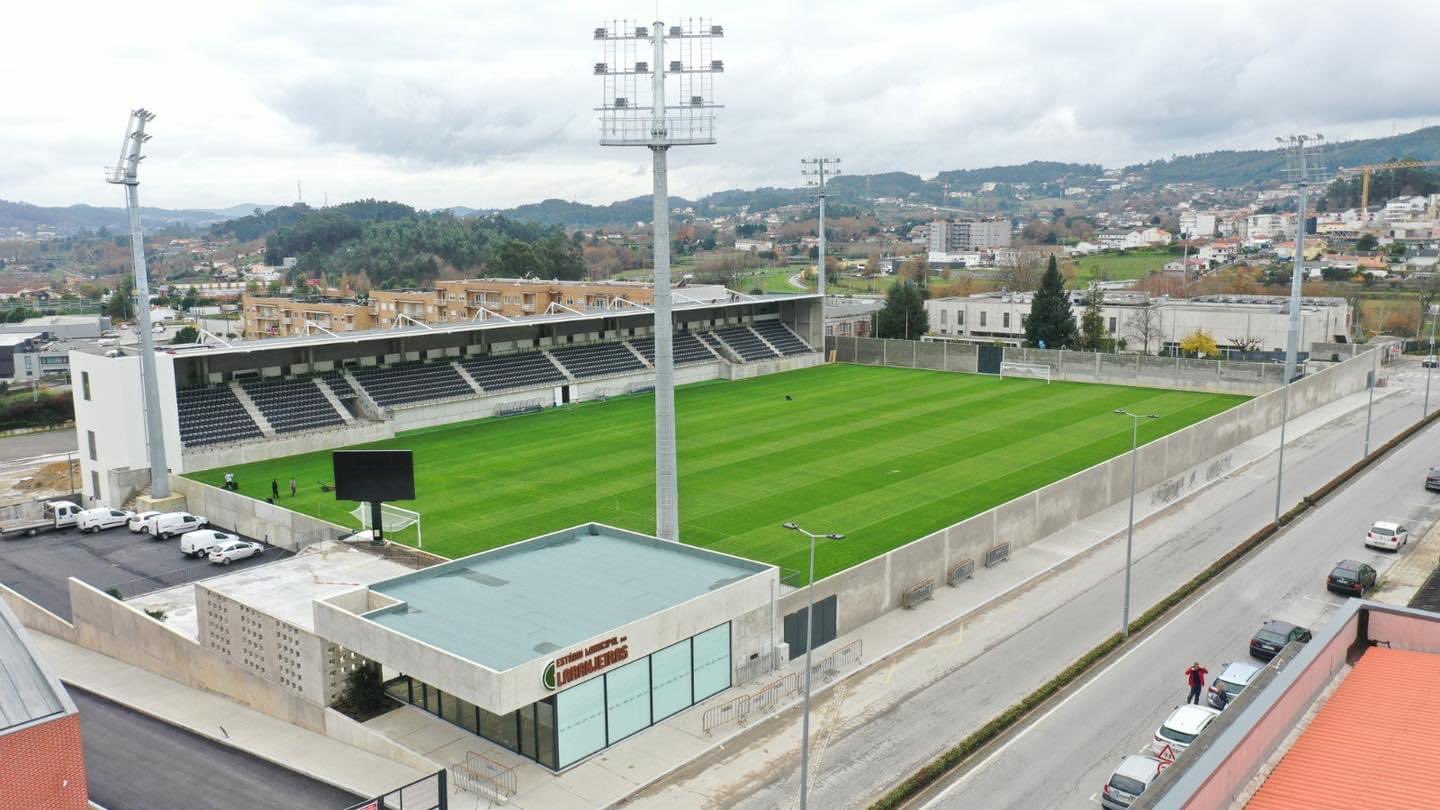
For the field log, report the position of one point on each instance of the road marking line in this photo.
(1057, 707)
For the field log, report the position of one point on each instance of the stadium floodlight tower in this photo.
(125, 174)
(1303, 171)
(816, 177)
(634, 112)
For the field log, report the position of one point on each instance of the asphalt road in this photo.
(29, 446)
(38, 567)
(880, 726)
(1063, 759)
(135, 761)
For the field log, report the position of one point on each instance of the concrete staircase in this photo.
(465, 375)
(761, 338)
(334, 401)
(254, 411)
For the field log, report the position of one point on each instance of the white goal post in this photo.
(393, 520)
(1034, 371)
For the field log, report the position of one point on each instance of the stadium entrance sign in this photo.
(578, 664)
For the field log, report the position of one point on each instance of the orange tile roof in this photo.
(1375, 743)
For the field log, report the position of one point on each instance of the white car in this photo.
(1387, 535)
(1135, 773)
(1430, 361)
(93, 520)
(227, 553)
(200, 542)
(170, 524)
(140, 521)
(1182, 727)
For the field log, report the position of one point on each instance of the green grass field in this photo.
(1122, 266)
(882, 455)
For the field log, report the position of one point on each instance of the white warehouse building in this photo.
(1265, 319)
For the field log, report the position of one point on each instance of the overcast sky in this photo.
(488, 104)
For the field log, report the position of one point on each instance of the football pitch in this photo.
(882, 455)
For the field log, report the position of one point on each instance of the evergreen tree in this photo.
(1092, 323)
(904, 315)
(1050, 319)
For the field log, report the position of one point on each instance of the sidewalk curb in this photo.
(948, 624)
(226, 741)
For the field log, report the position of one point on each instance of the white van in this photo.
(93, 520)
(200, 542)
(172, 523)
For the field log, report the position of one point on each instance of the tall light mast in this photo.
(634, 114)
(1304, 173)
(125, 174)
(816, 177)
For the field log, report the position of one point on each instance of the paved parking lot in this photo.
(38, 567)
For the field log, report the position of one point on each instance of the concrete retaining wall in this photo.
(37, 618)
(113, 628)
(209, 457)
(273, 524)
(1176, 465)
(342, 728)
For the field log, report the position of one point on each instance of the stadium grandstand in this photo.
(231, 403)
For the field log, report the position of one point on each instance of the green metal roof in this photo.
(504, 607)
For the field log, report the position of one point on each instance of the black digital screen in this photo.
(374, 475)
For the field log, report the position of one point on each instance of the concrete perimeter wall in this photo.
(274, 524)
(1094, 367)
(114, 628)
(1182, 461)
(207, 457)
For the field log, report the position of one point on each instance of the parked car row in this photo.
(195, 539)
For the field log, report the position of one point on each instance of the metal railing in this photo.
(754, 668)
(428, 793)
(771, 696)
(485, 777)
(917, 593)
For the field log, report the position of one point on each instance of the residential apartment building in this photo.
(968, 234)
(1196, 225)
(989, 317)
(1268, 226)
(273, 316)
(462, 300)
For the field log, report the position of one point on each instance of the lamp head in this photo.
(790, 525)
(835, 536)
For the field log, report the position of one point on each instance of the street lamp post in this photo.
(1130, 532)
(809, 624)
(1429, 363)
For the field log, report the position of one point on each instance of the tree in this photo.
(1022, 270)
(276, 287)
(1367, 242)
(1144, 326)
(872, 266)
(903, 315)
(916, 269)
(122, 300)
(1426, 292)
(1092, 324)
(191, 299)
(1050, 319)
(1247, 343)
(186, 334)
(1199, 343)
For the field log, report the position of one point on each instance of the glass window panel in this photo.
(452, 709)
(527, 731)
(670, 675)
(400, 688)
(509, 736)
(545, 733)
(627, 699)
(491, 726)
(580, 713)
(712, 661)
(432, 699)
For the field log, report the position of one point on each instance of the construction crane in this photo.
(1366, 172)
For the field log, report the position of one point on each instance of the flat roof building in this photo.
(562, 645)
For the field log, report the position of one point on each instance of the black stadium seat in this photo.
(598, 360)
(416, 381)
(291, 405)
(213, 414)
(512, 371)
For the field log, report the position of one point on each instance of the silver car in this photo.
(1135, 773)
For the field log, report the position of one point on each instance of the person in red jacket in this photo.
(1196, 677)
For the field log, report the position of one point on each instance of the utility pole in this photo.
(632, 114)
(816, 177)
(125, 174)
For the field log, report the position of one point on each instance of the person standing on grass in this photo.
(292, 486)
(1196, 677)
(275, 488)
(230, 481)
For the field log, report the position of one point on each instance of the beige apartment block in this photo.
(286, 317)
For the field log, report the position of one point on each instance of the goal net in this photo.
(400, 525)
(1034, 371)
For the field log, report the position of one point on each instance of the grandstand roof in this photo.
(360, 336)
(517, 603)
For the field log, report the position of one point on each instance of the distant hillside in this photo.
(1035, 172)
(1233, 168)
(581, 215)
(72, 218)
